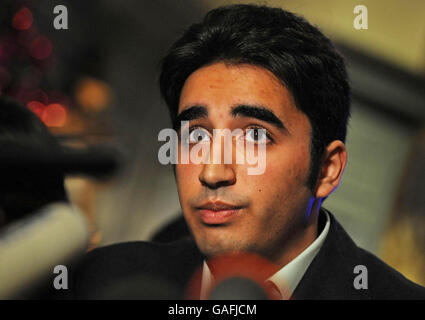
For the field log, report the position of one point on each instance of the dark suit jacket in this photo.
(149, 270)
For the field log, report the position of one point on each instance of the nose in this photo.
(216, 174)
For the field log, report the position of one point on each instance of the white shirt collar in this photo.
(288, 277)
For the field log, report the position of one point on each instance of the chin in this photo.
(216, 248)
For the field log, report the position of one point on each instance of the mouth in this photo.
(217, 212)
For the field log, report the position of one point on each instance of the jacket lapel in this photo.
(330, 275)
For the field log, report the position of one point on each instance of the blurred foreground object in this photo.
(25, 185)
(99, 162)
(39, 229)
(33, 164)
(32, 247)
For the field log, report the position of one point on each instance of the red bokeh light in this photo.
(37, 107)
(41, 48)
(23, 19)
(54, 115)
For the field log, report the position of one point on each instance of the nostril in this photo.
(215, 185)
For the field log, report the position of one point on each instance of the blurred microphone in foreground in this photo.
(32, 247)
(39, 228)
(25, 188)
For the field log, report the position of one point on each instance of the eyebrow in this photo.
(247, 111)
(192, 113)
(260, 113)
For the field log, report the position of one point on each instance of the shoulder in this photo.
(342, 270)
(109, 266)
(384, 282)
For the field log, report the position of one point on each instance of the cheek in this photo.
(186, 175)
(279, 192)
(283, 181)
(288, 165)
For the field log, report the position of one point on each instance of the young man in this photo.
(278, 80)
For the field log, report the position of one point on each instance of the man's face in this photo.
(226, 208)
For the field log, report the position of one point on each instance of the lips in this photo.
(218, 212)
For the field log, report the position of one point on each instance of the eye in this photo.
(256, 135)
(199, 135)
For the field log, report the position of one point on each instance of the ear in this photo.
(333, 165)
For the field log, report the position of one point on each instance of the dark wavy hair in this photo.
(297, 53)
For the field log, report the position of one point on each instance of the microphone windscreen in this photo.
(31, 247)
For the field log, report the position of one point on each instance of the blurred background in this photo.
(96, 83)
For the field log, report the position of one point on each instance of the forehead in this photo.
(221, 86)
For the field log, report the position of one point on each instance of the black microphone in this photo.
(97, 161)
